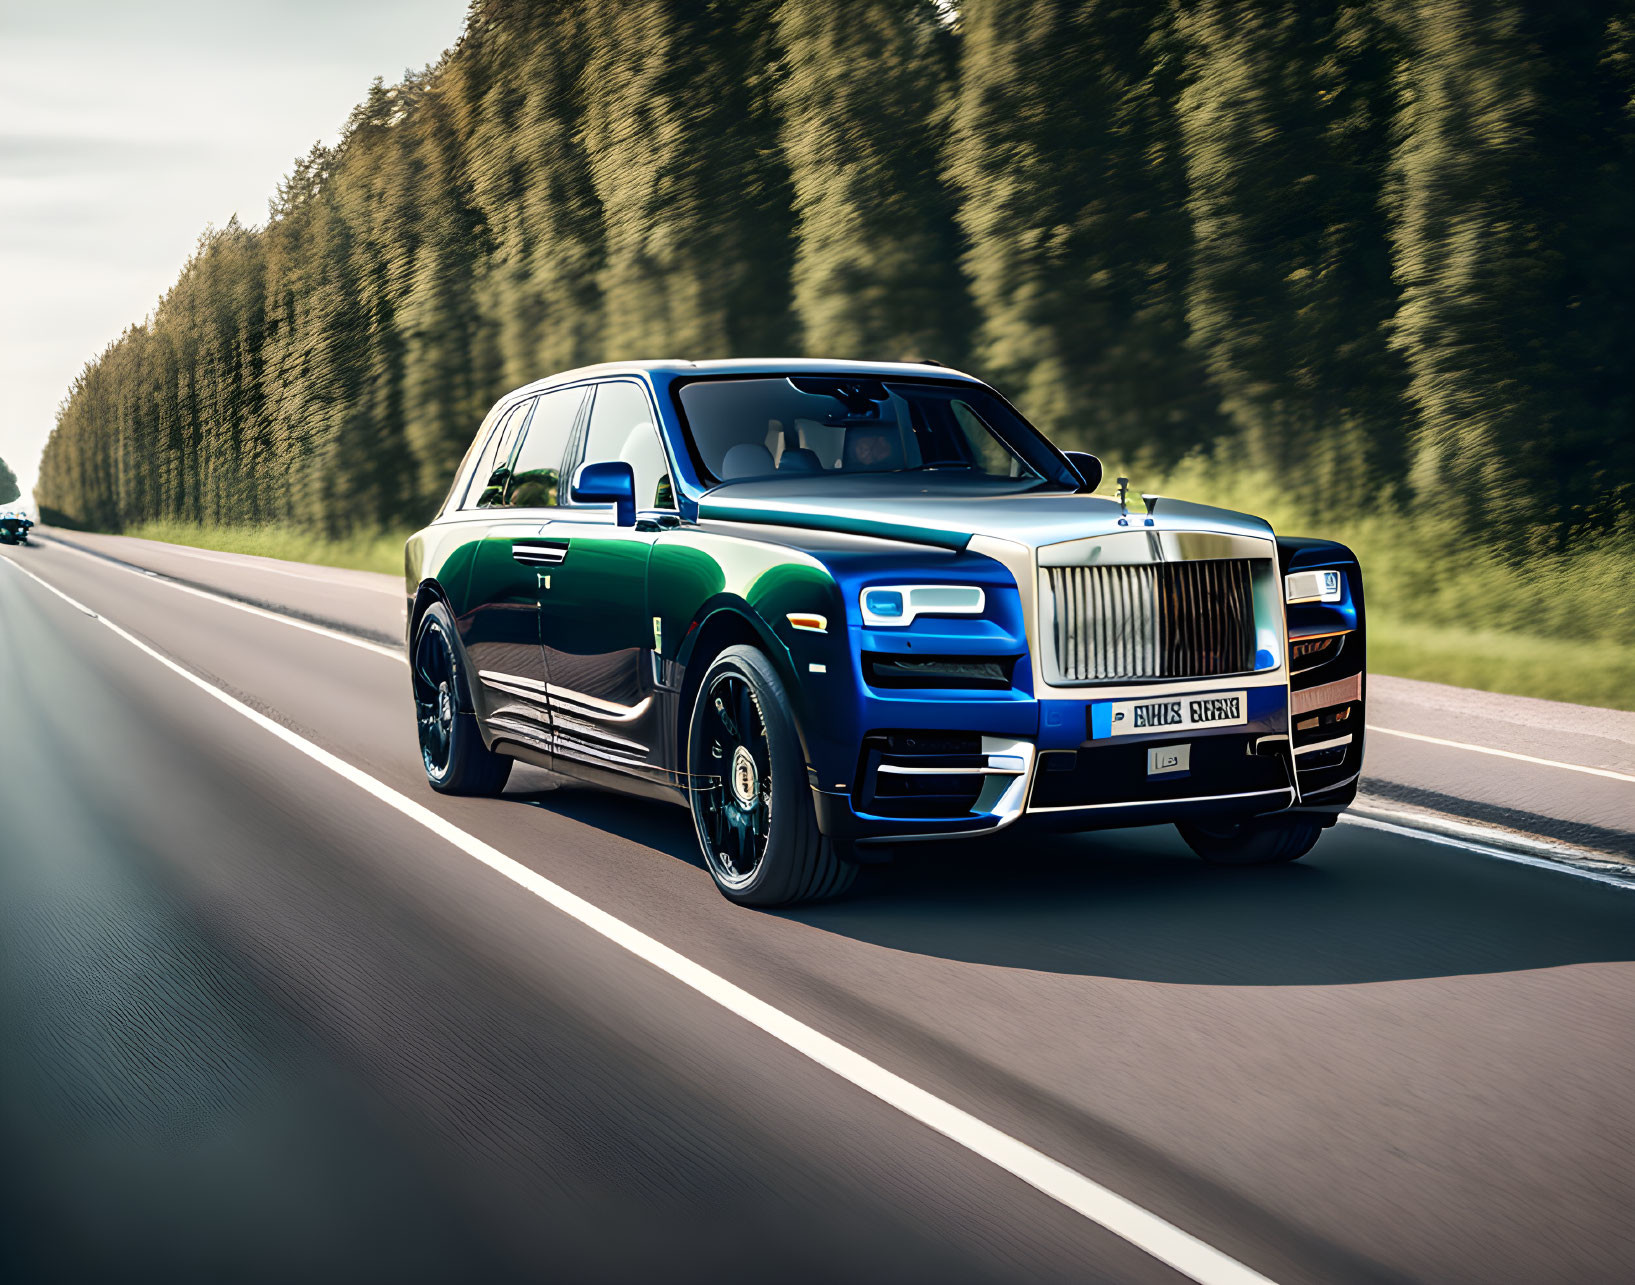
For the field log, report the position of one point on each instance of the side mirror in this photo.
(499, 477)
(1088, 467)
(607, 482)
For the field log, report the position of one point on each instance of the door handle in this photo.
(539, 553)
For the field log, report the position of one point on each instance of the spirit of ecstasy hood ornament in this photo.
(1151, 501)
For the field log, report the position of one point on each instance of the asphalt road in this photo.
(255, 1023)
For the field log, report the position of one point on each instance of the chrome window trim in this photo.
(580, 439)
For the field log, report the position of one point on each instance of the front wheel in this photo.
(750, 803)
(451, 743)
(1259, 841)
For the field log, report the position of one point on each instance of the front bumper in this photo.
(1055, 775)
(1295, 750)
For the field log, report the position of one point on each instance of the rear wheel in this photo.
(1259, 841)
(751, 806)
(451, 743)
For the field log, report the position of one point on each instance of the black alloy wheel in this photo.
(434, 701)
(752, 808)
(451, 743)
(736, 812)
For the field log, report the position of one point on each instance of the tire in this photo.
(756, 828)
(451, 743)
(1261, 841)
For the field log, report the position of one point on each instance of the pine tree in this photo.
(1351, 241)
(517, 96)
(1285, 120)
(1071, 191)
(696, 205)
(8, 484)
(1512, 182)
(864, 99)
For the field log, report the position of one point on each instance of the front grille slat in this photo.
(1153, 620)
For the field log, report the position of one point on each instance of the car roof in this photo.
(751, 366)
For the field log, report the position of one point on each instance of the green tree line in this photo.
(1378, 250)
(8, 484)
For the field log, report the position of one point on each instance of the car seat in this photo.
(747, 459)
(797, 459)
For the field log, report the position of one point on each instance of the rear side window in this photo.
(622, 428)
(536, 473)
(481, 494)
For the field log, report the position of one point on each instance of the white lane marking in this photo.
(1123, 1217)
(1440, 824)
(1504, 754)
(250, 562)
(1519, 858)
(293, 621)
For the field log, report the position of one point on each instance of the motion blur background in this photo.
(1363, 267)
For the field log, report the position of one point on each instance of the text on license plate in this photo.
(1162, 714)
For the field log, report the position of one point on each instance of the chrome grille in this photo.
(1155, 620)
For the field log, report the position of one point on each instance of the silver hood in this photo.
(950, 513)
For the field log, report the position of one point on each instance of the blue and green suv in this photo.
(833, 607)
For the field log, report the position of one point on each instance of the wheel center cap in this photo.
(746, 777)
(445, 705)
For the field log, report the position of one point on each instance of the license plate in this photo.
(1168, 713)
(1163, 759)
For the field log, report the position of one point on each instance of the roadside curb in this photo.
(1528, 849)
(277, 608)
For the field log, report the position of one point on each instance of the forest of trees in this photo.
(8, 484)
(1377, 249)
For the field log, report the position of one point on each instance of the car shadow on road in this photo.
(660, 826)
(1362, 907)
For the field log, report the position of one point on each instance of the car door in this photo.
(606, 708)
(513, 565)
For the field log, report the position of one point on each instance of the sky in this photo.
(128, 126)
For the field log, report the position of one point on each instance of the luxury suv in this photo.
(830, 607)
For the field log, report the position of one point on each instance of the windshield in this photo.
(770, 426)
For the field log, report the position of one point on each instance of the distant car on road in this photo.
(835, 606)
(14, 528)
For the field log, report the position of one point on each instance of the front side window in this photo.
(536, 473)
(773, 426)
(622, 428)
(486, 488)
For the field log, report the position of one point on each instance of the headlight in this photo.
(887, 606)
(1314, 586)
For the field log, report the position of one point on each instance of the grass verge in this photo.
(1447, 608)
(383, 553)
(1592, 672)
